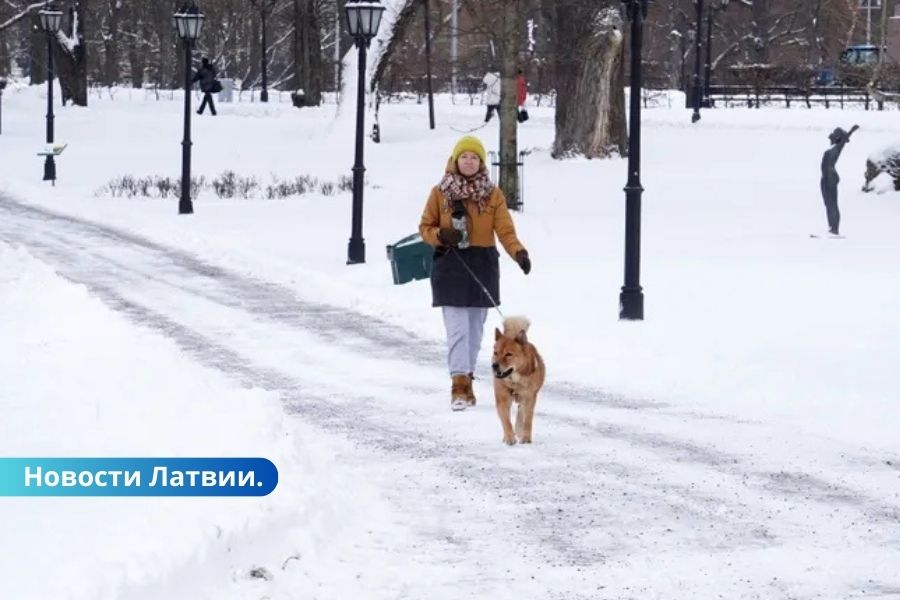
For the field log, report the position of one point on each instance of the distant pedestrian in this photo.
(491, 94)
(830, 178)
(209, 85)
(521, 96)
(521, 89)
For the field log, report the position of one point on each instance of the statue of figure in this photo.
(830, 178)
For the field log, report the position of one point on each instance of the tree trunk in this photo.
(402, 31)
(5, 58)
(308, 52)
(136, 53)
(510, 42)
(70, 56)
(876, 82)
(815, 39)
(674, 57)
(111, 44)
(37, 57)
(136, 23)
(590, 103)
(885, 13)
(762, 16)
(167, 72)
(254, 68)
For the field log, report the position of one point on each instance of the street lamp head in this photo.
(51, 19)
(189, 22)
(363, 19)
(2, 84)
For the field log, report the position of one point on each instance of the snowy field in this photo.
(739, 443)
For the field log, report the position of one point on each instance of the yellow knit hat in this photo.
(469, 143)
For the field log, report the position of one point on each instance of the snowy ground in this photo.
(738, 443)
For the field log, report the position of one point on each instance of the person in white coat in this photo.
(491, 94)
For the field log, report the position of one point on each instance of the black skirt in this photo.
(453, 285)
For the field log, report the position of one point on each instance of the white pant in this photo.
(465, 327)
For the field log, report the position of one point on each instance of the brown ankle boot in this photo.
(470, 392)
(458, 394)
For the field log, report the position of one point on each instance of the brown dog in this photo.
(518, 377)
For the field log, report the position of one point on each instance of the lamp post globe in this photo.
(631, 297)
(363, 19)
(188, 25)
(51, 20)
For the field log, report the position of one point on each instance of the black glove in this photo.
(524, 261)
(449, 236)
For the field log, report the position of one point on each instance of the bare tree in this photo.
(71, 54)
(590, 104)
(402, 31)
(110, 31)
(308, 51)
(21, 12)
(134, 40)
(878, 71)
(512, 24)
(503, 23)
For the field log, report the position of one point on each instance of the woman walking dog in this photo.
(462, 215)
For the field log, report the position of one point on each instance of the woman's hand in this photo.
(448, 236)
(524, 261)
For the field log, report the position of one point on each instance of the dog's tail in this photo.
(515, 326)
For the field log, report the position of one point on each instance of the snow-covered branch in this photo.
(22, 14)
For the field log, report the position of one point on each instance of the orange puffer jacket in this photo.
(495, 219)
(452, 280)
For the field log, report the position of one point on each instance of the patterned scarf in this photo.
(459, 188)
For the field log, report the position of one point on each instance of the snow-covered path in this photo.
(618, 498)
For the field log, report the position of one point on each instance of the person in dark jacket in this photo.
(206, 75)
(464, 215)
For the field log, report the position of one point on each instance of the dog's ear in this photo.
(522, 338)
(497, 334)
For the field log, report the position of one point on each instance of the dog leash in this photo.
(478, 281)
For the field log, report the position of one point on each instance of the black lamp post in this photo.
(263, 13)
(188, 24)
(2, 87)
(697, 49)
(363, 19)
(720, 5)
(631, 298)
(50, 19)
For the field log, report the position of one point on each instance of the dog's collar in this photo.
(504, 375)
